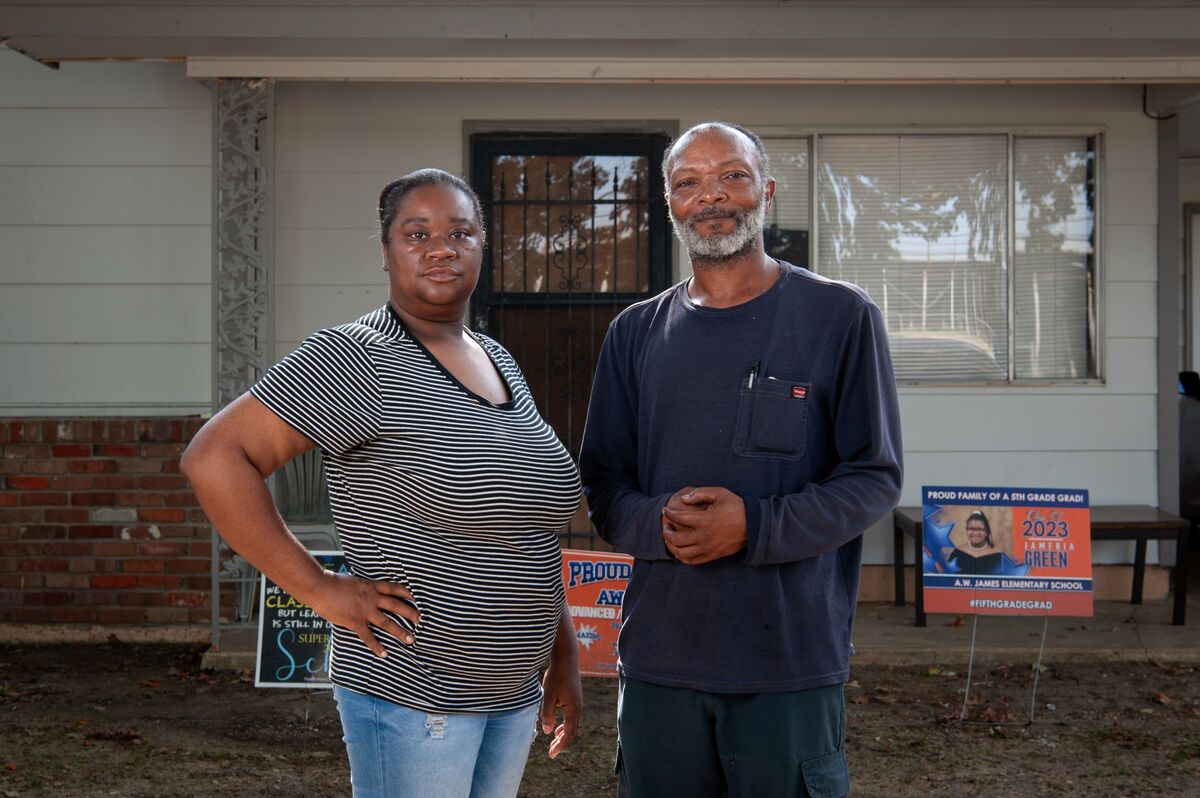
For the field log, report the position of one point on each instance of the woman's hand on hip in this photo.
(358, 604)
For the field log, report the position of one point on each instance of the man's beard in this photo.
(721, 248)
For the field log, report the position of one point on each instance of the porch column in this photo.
(243, 280)
(1170, 267)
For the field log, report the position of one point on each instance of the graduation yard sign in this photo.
(1007, 551)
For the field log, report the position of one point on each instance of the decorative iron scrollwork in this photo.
(243, 238)
(570, 258)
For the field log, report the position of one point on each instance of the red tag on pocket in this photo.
(799, 392)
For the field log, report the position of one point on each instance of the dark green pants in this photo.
(679, 743)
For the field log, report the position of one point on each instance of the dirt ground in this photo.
(136, 720)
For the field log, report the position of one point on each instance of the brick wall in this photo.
(97, 525)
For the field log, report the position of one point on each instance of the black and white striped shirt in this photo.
(438, 489)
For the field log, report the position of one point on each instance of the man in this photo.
(743, 432)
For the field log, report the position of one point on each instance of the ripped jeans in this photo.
(397, 752)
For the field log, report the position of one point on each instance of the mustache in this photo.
(714, 213)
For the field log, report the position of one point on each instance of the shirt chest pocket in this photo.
(772, 419)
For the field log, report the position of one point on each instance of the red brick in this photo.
(19, 515)
(66, 516)
(160, 549)
(9, 466)
(9, 499)
(28, 483)
(163, 449)
(73, 615)
(27, 451)
(196, 516)
(43, 532)
(188, 599)
(114, 581)
(26, 615)
(48, 466)
(119, 431)
(161, 582)
(18, 549)
(65, 549)
(114, 549)
(72, 482)
(22, 580)
(197, 582)
(81, 430)
(192, 425)
(117, 481)
(49, 598)
(93, 466)
(171, 466)
(11, 598)
(139, 465)
(81, 565)
(162, 516)
(106, 499)
(143, 566)
(166, 615)
(71, 450)
(43, 499)
(142, 498)
(120, 615)
(159, 429)
(92, 531)
(131, 598)
(10, 532)
(42, 565)
(189, 566)
(164, 482)
(85, 597)
(181, 500)
(116, 450)
(199, 549)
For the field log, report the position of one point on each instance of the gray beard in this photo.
(719, 250)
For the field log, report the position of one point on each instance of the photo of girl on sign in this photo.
(978, 553)
(974, 542)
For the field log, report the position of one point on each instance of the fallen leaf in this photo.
(933, 670)
(11, 766)
(858, 699)
(958, 621)
(1160, 698)
(151, 683)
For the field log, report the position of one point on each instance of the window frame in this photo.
(1095, 133)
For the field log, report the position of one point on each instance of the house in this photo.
(189, 190)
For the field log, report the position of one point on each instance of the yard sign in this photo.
(595, 582)
(1007, 551)
(293, 641)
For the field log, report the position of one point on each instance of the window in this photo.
(979, 249)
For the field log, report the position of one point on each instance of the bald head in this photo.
(745, 138)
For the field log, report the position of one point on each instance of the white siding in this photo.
(105, 239)
(337, 144)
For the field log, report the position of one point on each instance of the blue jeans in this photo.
(397, 752)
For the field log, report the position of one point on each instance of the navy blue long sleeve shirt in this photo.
(811, 443)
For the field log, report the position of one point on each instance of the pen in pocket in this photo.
(753, 374)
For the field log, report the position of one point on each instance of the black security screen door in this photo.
(577, 230)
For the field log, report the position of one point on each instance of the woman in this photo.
(446, 487)
(980, 557)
